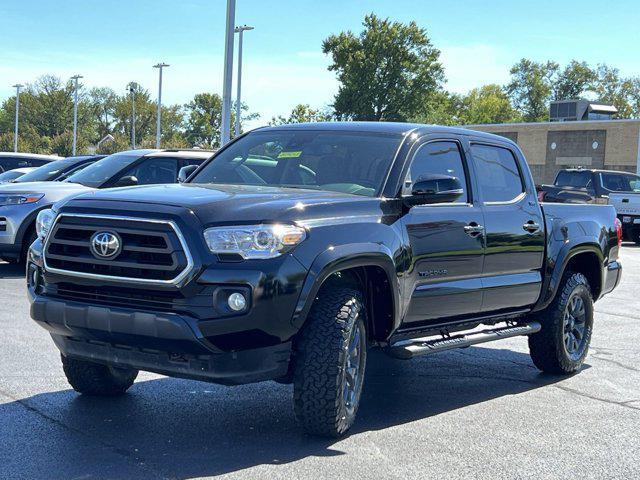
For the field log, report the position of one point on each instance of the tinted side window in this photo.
(155, 170)
(437, 158)
(498, 173)
(619, 183)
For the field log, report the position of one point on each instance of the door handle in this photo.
(531, 227)
(473, 229)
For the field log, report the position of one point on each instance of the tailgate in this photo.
(626, 204)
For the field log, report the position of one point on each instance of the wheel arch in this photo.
(586, 258)
(368, 267)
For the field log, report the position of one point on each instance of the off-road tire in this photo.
(320, 356)
(91, 378)
(547, 347)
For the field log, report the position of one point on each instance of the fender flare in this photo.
(554, 274)
(342, 257)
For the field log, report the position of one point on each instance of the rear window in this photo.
(568, 178)
(499, 175)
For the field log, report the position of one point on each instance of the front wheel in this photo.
(563, 343)
(92, 378)
(330, 360)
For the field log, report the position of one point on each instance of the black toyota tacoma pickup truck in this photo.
(295, 249)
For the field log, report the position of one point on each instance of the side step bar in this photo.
(424, 346)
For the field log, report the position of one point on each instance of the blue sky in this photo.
(112, 42)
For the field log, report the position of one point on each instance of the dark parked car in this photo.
(578, 185)
(58, 170)
(297, 248)
(21, 202)
(11, 160)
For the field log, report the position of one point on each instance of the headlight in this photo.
(20, 198)
(254, 241)
(44, 220)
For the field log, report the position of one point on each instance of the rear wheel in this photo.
(92, 378)
(330, 361)
(563, 343)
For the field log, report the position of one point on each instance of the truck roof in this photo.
(597, 170)
(386, 128)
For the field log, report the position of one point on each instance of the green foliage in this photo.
(386, 73)
(302, 113)
(46, 119)
(487, 104)
(530, 88)
(574, 81)
(205, 118)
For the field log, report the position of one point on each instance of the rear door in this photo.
(446, 240)
(514, 228)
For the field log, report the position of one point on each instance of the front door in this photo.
(514, 228)
(446, 241)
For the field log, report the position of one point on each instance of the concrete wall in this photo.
(550, 146)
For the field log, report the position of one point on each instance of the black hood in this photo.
(227, 204)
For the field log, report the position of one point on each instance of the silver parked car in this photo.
(21, 202)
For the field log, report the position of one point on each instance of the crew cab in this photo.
(21, 201)
(295, 249)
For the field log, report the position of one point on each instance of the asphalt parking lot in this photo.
(483, 412)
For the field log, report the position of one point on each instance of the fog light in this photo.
(34, 277)
(237, 302)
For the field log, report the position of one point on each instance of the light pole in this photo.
(240, 30)
(17, 86)
(225, 124)
(132, 89)
(75, 78)
(159, 66)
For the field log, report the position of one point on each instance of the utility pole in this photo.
(159, 66)
(240, 30)
(225, 127)
(17, 86)
(132, 88)
(75, 78)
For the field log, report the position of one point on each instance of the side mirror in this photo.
(128, 181)
(429, 189)
(185, 172)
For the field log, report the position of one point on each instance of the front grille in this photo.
(3, 224)
(140, 299)
(152, 251)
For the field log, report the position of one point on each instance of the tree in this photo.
(574, 81)
(205, 118)
(487, 104)
(531, 87)
(302, 113)
(611, 88)
(386, 73)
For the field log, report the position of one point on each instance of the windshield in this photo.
(48, 171)
(10, 175)
(348, 162)
(617, 182)
(96, 174)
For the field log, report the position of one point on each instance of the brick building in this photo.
(550, 146)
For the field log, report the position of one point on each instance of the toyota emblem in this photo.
(105, 245)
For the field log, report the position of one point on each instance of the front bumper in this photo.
(164, 343)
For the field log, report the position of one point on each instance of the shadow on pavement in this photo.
(183, 429)
(11, 270)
